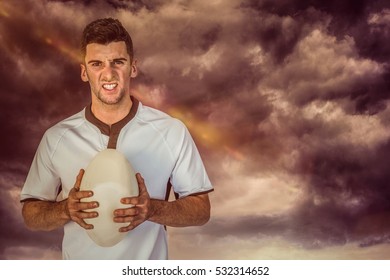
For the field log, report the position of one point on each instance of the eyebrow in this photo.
(115, 59)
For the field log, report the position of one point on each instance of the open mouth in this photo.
(110, 86)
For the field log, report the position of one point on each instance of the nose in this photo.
(108, 72)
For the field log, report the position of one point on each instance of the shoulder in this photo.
(57, 131)
(159, 120)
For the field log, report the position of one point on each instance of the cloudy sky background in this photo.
(288, 102)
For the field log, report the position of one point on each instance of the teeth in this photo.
(109, 86)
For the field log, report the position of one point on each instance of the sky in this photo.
(287, 101)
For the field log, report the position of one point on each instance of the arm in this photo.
(48, 215)
(44, 215)
(188, 211)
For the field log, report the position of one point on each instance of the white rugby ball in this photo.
(111, 177)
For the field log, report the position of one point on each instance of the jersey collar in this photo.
(112, 131)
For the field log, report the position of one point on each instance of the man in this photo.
(158, 147)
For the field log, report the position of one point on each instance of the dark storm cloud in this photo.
(30, 67)
(192, 39)
(136, 6)
(13, 230)
(346, 181)
(315, 229)
(350, 173)
(372, 34)
(311, 226)
(349, 11)
(279, 35)
(348, 18)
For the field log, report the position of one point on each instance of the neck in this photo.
(110, 114)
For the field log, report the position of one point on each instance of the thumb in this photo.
(78, 179)
(141, 183)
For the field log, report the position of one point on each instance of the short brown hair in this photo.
(105, 31)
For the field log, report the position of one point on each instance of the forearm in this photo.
(188, 211)
(45, 215)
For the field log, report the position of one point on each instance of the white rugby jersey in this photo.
(156, 145)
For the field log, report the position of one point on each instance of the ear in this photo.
(134, 69)
(84, 76)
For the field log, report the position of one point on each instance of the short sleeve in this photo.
(189, 175)
(42, 182)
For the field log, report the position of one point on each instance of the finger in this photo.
(77, 195)
(83, 224)
(81, 206)
(141, 183)
(125, 212)
(127, 219)
(133, 224)
(86, 215)
(130, 201)
(127, 228)
(78, 179)
(134, 201)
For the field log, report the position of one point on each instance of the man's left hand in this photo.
(139, 210)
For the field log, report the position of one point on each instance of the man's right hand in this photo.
(76, 209)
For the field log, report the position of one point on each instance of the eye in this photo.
(118, 62)
(96, 64)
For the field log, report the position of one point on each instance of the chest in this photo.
(148, 155)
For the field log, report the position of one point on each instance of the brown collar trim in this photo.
(114, 130)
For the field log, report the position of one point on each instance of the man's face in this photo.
(108, 70)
